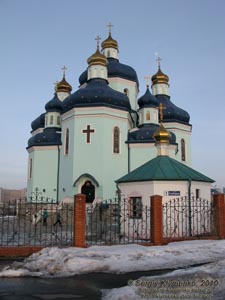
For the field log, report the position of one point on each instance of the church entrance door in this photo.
(88, 189)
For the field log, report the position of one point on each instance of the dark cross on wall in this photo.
(88, 131)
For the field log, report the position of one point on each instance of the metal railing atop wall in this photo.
(184, 217)
(25, 223)
(117, 221)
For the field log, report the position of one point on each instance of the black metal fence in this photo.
(25, 223)
(184, 217)
(118, 221)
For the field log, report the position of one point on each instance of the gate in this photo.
(118, 221)
(184, 217)
(25, 223)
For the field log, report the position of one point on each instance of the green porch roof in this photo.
(164, 168)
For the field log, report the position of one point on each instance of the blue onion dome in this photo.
(63, 86)
(97, 93)
(54, 105)
(49, 137)
(171, 112)
(115, 69)
(39, 122)
(109, 43)
(148, 100)
(145, 134)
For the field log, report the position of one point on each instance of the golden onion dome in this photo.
(63, 86)
(161, 135)
(109, 43)
(97, 59)
(160, 77)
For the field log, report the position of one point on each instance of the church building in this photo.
(86, 140)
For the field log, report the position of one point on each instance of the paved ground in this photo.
(84, 287)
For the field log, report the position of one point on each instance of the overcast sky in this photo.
(38, 37)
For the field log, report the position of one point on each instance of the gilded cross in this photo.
(98, 40)
(147, 80)
(110, 25)
(158, 60)
(161, 108)
(64, 68)
(88, 131)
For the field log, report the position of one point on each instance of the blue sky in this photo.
(39, 37)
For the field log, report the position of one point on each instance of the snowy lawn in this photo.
(56, 262)
(195, 283)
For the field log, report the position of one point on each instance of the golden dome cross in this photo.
(98, 40)
(158, 59)
(110, 25)
(64, 68)
(147, 80)
(161, 108)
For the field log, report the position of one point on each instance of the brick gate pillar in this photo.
(79, 220)
(219, 203)
(156, 220)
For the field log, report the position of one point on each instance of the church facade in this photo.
(86, 140)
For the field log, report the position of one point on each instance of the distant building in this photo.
(7, 195)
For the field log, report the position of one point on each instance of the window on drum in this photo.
(116, 140)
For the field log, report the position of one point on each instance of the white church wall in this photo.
(140, 154)
(95, 158)
(119, 84)
(182, 132)
(166, 189)
(44, 172)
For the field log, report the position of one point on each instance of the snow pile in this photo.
(209, 277)
(55, 262)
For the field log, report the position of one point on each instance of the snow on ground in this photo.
(195, 283)
(56, 262)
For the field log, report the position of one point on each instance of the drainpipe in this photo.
(128, 163)
(189, 208)
(57, 188)
(119, 206)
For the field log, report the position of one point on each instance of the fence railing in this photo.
(117, 221)
(25, 223)
(184, 217)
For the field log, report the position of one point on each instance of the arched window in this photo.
(108, 53)
(30, 168)
(126, 92)
(147, 115)
(46, 120)
(58, 120)
(67, 139)
(183, 151)
(51, 120)
(116, 140)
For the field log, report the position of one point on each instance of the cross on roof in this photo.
(161, 108)
(158, 59)
(110, 25)
(147, 80)
(98, 40)
(64, 68)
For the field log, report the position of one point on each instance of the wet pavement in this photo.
(85, 287)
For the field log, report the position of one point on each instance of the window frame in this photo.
(136, 205)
